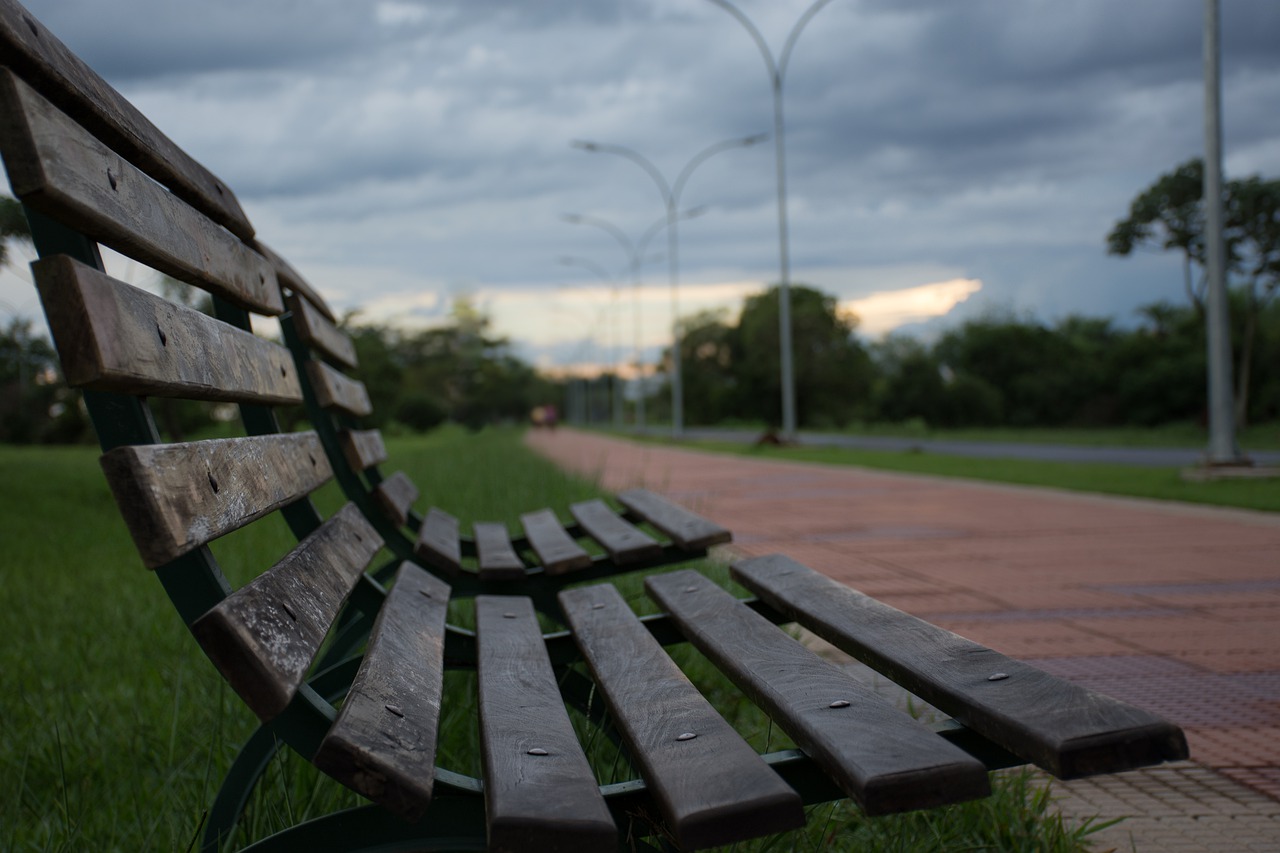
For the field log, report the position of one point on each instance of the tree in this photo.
(707, 367)
(1170, 215)
(833, 371)
(1253, 218)
(13, 226)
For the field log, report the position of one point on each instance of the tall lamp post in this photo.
(1223, 449)
(777, 74)
(591, 266)
(635, 257)
(670, 193)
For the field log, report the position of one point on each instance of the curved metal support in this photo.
(254, 758)
(453, 823)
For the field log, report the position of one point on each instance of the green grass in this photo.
(1124, 480)
(118, 730)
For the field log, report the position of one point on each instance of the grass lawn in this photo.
(1137, 481)
(118, 730)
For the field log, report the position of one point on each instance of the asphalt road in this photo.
(1153, 456)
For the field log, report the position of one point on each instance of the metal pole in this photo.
(785, 348)
(1223, 449)
(777, 73)
(671, 198)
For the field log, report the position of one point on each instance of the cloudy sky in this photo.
(945, 158)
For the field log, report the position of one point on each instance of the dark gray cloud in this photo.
(405, 146)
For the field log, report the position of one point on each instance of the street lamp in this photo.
(671, 198)
(635, 256)
(1223, 449)
(593, 267)
(777, 73)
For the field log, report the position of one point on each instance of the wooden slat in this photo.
(362, 448)
(496, 559)
(710, 784)
(439, 544)
(62, 77)
(383, 744)
(57, 168)
(690, 531)
(114, 337)
(556, 549)
(317, 331)
(264, 636)
(292, 279)
(1059, 726)
(878, 755)
(539, 791)
(625, 543)
(395, 495)
(335, 391)
(177, 497)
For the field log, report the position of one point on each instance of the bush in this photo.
(420, 412)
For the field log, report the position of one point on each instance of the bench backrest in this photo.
(91, 171)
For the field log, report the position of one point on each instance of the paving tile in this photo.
(1171, 607)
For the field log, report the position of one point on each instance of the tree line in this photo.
(998, 370)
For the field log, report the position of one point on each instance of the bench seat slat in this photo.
(879, 755)
(336, 391)
(438, 542)
(395, 495)
(264, 636)
(1061, 727)
(115, 337)
(496, 558)
(690, 531)
(383, 744)
(318, 331)
(711, 786)
(77, 90)
(362, 448)
(556, 549)
(177, 497)
(540, 793)
(625, 543)
(57, 168)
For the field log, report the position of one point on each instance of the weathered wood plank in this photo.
(710, 784)
(496, 559)
(539, 791)
(57, 168)
(177, 497)
(878, 755)
(114, 337)
(317, 331)
(625, 543)
(690, 531)
(62, 77)
(556, 549)
(438, 543)
(292, 279)
(362, 448)
(336, 391)
(395, 495)
(1059, 726)
(264, 636)
(383, 744)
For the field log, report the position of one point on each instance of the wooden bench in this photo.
(548, 553)
(343, 656)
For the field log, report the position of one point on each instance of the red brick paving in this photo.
(1173, 606)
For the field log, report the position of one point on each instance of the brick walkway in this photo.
(1174, 608)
